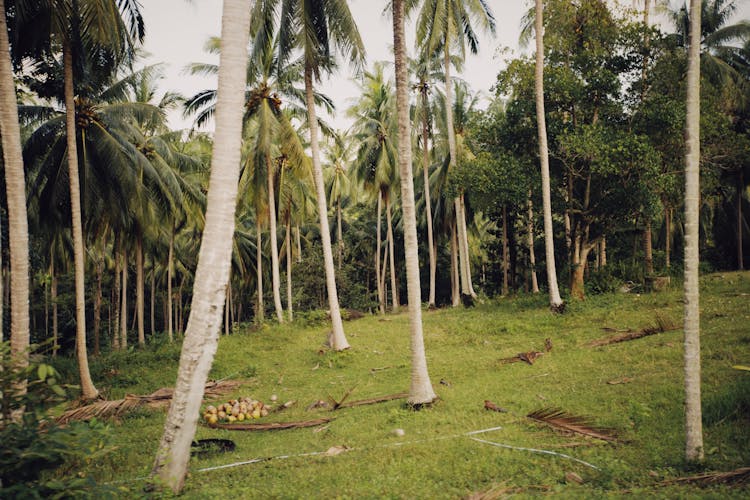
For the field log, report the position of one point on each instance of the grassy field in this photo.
(435, 458)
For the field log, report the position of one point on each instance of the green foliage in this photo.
(602, 281)
(39, 458)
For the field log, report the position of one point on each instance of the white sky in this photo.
(176, 31)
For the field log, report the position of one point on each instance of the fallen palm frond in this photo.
(561, 420)
(158, 398)
(736, 477)
(662, 325)
(370, 401)
(272, 426)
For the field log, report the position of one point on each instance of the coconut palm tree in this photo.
(376, 165)
(15, 185)
(420, 391)
(338, 184)
(555, 301)
(445, 25)
(424, 70)
(83, 29)
(212, 274)
(693, 425)
(316, 28)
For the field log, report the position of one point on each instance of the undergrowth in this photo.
(632, 387)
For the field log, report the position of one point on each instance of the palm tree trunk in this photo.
(212, 274)
(392, 258)
(170, 272)
(530, 240)
(378, 277)
(693, 425)
(603, 252)
(648, 249)
(227, 305)
(465, 242)
(116, 292)
(299, 244)
(289, 307)
(18, 230)
(555, 301)
(427, 199)
(88, 391)
(455, 289)
(98, 301)
(53, 298)
(153, 298)
(275, 275)
(740, 221)
(139, 291)
(420, 391)
(506, 253)
(338, 339)
(339, 233)
(452, 151)
(124, 302)
(260, 314)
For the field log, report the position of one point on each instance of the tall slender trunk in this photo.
(555, 300)
(339, 233)
(289, 306)
(465, 241)
(392, 258)
(139, 290)
(53, 298)
(88, 390)
(124, 302)
(378, 276)
(227, 305)
(214, 260)
(693, 425)
(18, 230)
(275, 275)
(153, 298)
(740, 221)
(420, 391)
(170, 272)
(603, 252)
(427, 199)
(299, 244)
(648, 249)
(338, 339)
(260, 314)
(116, 292)
(455, 286)
(506, 253)
(530, 241)
(98, 300)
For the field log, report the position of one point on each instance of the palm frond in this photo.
(564, 421)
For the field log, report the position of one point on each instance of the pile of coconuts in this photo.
(235, 410)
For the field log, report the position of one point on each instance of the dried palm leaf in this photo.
(272, 426)
(561, 420)
(736, 477)
(159, 398)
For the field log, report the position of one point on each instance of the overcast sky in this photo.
(176, 31)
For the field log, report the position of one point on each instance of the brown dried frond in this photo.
(561, 420)
(737, 477)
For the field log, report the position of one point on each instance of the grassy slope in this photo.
(463, 348)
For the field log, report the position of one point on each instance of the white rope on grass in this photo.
(314, 453)
(535, 450)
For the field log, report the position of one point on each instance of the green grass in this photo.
(463, 347)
